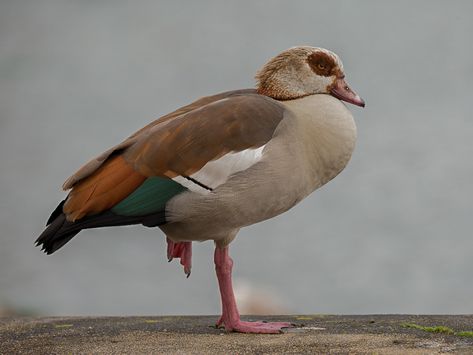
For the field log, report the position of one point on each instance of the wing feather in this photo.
(217, 172)
(200, 145)
(107, 186)
(184, 145)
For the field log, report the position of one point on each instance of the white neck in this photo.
(327, 132)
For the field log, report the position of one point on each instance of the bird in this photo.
(220, 163)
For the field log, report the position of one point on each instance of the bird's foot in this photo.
(182, 250)
(254, 327)
(230, 316)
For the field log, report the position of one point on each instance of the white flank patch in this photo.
(216, 172)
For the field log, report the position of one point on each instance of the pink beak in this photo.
(342, 91)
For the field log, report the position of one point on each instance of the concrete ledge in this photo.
(387, 334)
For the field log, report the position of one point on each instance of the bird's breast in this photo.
(324, 132)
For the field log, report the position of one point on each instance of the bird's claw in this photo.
(183, 251)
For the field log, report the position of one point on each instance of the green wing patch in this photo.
(150, 197)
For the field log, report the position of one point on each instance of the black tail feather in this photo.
(59, 230)
(56, 213)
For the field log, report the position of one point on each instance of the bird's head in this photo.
(302, 71)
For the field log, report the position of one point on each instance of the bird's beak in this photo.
(342, 91)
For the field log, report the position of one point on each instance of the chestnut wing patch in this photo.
(323, 64)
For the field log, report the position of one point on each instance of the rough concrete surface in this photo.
(325, 334)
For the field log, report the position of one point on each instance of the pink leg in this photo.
(230, 316)
(183, 251)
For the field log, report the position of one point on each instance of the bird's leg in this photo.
(230, 316)
(182, 250)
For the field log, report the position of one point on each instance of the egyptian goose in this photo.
(223, 162)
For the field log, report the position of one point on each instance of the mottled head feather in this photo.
(298, 72)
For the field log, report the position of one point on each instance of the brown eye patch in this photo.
(322, 64)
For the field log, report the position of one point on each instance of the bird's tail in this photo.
(59, 230)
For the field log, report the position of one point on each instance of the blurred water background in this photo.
(391, 234)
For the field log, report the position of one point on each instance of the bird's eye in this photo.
(321, 66)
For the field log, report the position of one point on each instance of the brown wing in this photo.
(95, 163)
(174, 145)
(185, 144)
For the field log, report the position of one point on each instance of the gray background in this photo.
(391, 234)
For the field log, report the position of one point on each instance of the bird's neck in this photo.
(327, 134)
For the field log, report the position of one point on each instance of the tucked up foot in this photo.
(182, 250)
(230, 317)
